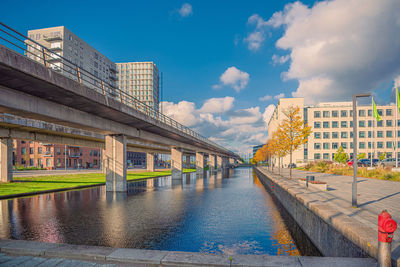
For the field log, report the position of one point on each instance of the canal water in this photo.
(228, 212)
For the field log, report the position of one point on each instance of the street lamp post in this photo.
(354, 185)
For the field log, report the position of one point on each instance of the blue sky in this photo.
(195, 42)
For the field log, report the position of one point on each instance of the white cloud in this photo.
(396, 82)
(220, 122)
(279, 96)
(185, 10)
(265, 98)
(338, 47)
(217, 105)
(254, 40)
(233, 77)
(280, 59)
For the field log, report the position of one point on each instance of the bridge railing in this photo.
(52, 58)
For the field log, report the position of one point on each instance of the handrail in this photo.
(85, 77)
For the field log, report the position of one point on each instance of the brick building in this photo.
(54, 156)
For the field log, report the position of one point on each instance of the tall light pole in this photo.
(354, 185)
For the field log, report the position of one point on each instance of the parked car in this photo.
(292, 165)
(350, 163)
(390, 162)
(367, 162)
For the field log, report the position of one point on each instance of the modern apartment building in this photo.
(63, 43)
(332, 127)
(255, 148)
(50, 156)
(140, 80)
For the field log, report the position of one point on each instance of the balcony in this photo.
(48, 154)
(54, 58)
(113, 77)
(52, 38)
(113, 69)
(74, 155)
(55, 49)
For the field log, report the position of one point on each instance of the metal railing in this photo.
(53, 60)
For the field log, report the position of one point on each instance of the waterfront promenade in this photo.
(373, 196)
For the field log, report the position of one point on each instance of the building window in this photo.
(351, 144)
(335, 113)
(326, 124)
(326, 135)
(361, 145)
(40, 164)
(317, 146)
(380, 112)
(379, 123)
(379, 144)
(31, 162)
(335, 134)
(317, 135)
(325, 114)
(389, 123)
(344, 145)
(361, 113)
(389, 112)
(335, 145)
(380, 134)
(351, 113)
(317, 156)
(326, 156)
(58, 151)
(48, 162)
(361, 134)
(343, 124)
(389, 134)
(369, 144)
(369, 134)
(369, 112)
(23, 150)
(31, 150)
(335, 124)
(389, 144)
(343, 113)
(343, 135)
(370, 123)
(317, 124)
(361, 124)
(351, 124)
(95, 162)
(326, 145)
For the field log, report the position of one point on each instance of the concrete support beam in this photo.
(199, 162)
(6, 158)
(176, 163)
(211, 159)
(116, 163)
(150, 162)
(104, 162)
(219, 163)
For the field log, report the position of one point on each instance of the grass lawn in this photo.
(328, 167)
(53, 182)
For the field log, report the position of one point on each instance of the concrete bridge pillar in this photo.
(115, 153)
(231, 162)
(199, 162)
(219, 163)
(6, 159)
(187, 161)
(176, 163)
(211, 158)
(150, 162)
(225, 163)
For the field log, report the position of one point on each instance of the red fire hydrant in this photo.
(386, 228)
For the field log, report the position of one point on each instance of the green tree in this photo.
(382, 156)
(340, 156)
(361, 156)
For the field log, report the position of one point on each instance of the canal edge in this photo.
(332, 232)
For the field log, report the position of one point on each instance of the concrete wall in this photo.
(329, 241)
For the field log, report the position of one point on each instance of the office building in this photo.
(255, 148)
(55, 156)
(140, 80)
(332, 127)
(63, 43)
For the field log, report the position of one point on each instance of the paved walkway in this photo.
(373, 196)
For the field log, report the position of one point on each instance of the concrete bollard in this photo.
(386, 228)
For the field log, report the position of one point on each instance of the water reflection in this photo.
(219, 212)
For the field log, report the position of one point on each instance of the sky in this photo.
(225, 64)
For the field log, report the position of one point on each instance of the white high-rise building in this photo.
(140, 80)
(63, 43)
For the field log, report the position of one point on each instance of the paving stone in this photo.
(4, 258)
(75, 263)
(52, 262)
(79, 252)
(17, 261)
(200, 259)
(137, 256)
(24, 247)
(337, 262)
(265, 260)
(34, 261)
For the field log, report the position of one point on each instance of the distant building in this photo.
(63, 43)
(255, 148)
(135, 159)
(332, 127)
(140, 80)
(50, 156)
